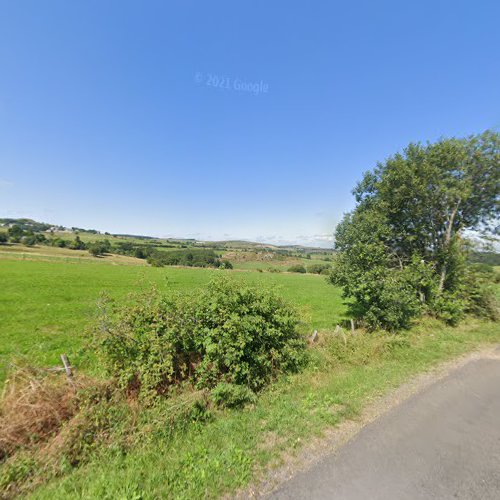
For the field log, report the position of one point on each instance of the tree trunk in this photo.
(447, 241)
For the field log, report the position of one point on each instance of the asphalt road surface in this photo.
(443, 443)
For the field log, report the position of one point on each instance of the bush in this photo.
(29, 240)
(77, 244)
(297, 268)
(99, 248)
(232, 396)
(481, 298)
(190, 257)
(229, 332)
(319, 268)
(393, 304)
(3, 238)
(225, 264)
(449, 307)
(59, 242)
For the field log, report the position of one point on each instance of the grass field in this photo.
(46, 305)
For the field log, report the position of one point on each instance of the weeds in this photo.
(35, 404)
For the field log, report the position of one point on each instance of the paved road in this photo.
(443, 443)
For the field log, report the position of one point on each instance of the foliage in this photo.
(99, 248)
(26, 224)
(232, 396)
(480, 297)
(3, 238)
(297, 268)
(401, 251)
(77, 244)
(226, 333)
(318, 268)
(274, 269)
(491, 258)
(15, 233)
(189, 257)
(59, 242)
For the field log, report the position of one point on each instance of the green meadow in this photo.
(46, 306)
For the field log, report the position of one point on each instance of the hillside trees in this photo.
(99, 248)
(187, 257)
(77, 244)
(401, 251)
(297, 268)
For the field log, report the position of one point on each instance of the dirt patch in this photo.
(335, 437)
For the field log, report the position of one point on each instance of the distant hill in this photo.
(491, 258)
(31, 225)
(27, 224)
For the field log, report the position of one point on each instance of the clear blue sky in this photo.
(107, 119)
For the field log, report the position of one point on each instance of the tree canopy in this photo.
(401, 250)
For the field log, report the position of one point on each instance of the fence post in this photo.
(67, 366)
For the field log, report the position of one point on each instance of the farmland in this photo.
(48, 298)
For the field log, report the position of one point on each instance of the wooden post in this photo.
(352, 325)
(314, 337)
(67, 366)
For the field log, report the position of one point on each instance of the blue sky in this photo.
(108, 119)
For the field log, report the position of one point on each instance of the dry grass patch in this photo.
(34, 405)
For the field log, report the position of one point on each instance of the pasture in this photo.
(45, 305)
(46, 302)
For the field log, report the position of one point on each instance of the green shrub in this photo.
(479, 291)
(318, 268)
(297, 268)
(232, 396)
(29, 240)
(449, 307)
(228, 332)
(199, 257)
(99, 248)
(77, 244)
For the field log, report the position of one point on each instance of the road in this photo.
(443, 443)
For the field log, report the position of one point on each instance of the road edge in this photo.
(335, 437)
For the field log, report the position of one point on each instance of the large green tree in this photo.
(401, 249)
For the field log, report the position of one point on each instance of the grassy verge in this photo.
(211, 458)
